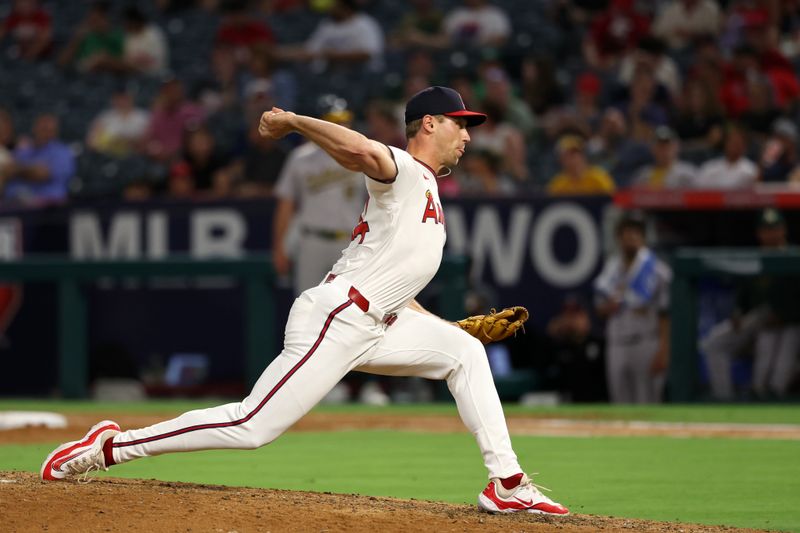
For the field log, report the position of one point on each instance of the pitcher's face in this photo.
(451, 139)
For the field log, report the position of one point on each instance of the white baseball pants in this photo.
(628, 373)
(327, 335)
(776, 350)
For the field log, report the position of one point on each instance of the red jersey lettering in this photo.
(362, 227)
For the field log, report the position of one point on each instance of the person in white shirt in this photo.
(119, 130)
(667, 171)
(731, 171)
(145, 46)
(478, 23)
(349, 38)
(362, 316)
(682, 20)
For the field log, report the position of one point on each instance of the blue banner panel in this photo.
(524, 251)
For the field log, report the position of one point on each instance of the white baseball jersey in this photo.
(329, 196)
(398, 242)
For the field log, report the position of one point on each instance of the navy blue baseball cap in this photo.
(441, 101)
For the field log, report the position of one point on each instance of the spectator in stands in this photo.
(118, 131)
(760, 113)
(145, 46)
(42, 167)
(779, 156)
(464, 84)
(479, 175)
(649, 55)
(500, 93)
(202, 169)
(577, 177)
(582, 114)
(615, 150)
(96, 44)
(241, 31)
(767, 317)
(8, 136)
(760, 33)
(171, 116)
(257, 97)
(700, 117)
(422, 64)
(477, 23)
(541, 89)
(382, 124)
(739, 15)
(707, 64)
(255, 172)
(742, 68)
(789, 28)
(632, 295)
(667, 171)
(644, 101)
(747, 66)
(614, 32)
(733, 170)
(681, 21)
(219, 90)
(348, 39)
(7, 143)
(504, 140)
(31, 29)
(421, 27)
(283, 85)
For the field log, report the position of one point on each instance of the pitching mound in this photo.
(28, 504)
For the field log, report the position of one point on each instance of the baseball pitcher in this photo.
(361, 316)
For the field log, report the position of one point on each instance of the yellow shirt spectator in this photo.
(594, 180)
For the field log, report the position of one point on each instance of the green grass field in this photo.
(738, 482)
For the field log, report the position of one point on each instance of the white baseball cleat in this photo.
(525, 497)
(80, 456)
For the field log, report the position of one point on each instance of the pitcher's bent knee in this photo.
(251, 439)
(468, 350)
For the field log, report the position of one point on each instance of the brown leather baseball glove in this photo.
(495, 326)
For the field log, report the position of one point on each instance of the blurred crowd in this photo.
(583, 96)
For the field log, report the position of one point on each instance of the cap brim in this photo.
(473, 118)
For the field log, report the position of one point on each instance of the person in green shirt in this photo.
(97, 44)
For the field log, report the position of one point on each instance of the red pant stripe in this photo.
(263, 402)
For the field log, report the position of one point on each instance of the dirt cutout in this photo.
(28, 504)
(116, 505)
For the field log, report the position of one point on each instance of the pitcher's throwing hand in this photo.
(276, 123)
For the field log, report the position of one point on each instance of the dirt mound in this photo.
(28, 504)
